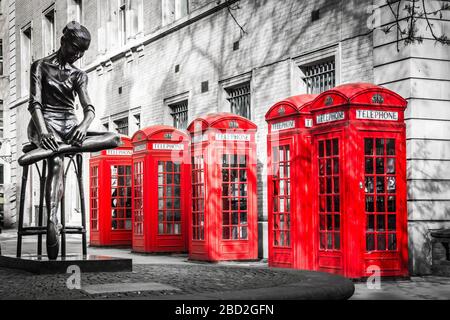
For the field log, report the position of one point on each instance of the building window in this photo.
(119, 20)
(319, 76)
(174, 10)
(122, 126)
(49, 33)
(240, 100)
(179, 113)
(26, 60)
(137, 121)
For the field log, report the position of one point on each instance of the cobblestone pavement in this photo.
(190, 278)
(416, 288)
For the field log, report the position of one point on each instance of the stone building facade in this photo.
(169, 61)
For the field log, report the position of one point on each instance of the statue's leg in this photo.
(95, 141)
(53, 194)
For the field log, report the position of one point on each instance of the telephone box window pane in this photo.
(381, 204)
(337, 241)
(380, 185)
(392, 242)
(391, 185)
(322, 222)
(243, 218)
(337, 204)
(329, 204)
(329, 172)
(381, 242)
(242, 161)
(370, 222)
(321, 168)
(392, 222)
(370, 207)
(380, 147)
(336, 184)
(226, 233)
(390, 166)
(369, 166)
(337, 222)
(329, 222)
(244, 233)
(390, 146)
(328, 148)
(335, 166)
(322, 241)
(369, 185)
(322, 204)
(321, 149)
(391, 204)
(321, 185)
(381, 222)
(330, 241)
(368, 147)
(370, 242)
(335, 147)
(380, 165)
(329, 185)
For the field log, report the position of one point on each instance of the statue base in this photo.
(89, 263)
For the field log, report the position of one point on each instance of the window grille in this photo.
(320, 77)
(180, 114)
(240, 100)
(122, 126)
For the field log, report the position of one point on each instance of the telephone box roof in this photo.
(221, 120)
(149, 132)
(359, 94)
(292, 105)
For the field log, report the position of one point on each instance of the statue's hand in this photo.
(48, 141)
(78, 135)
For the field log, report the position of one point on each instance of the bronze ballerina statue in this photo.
(54, 128)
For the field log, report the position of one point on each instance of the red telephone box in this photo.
(224, 208)
(160, 190)
(110, 196)
(289, 192)
(359, 174)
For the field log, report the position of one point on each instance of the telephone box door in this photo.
(384, 201)
(237, 183)
(169, 223)
(280, 204)
(329, 209)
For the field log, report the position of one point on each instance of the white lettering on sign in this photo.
(377, 115)
(283, 125)
(166, 146)
(308, 123)
(232, 137)
(140, 147)
(119, 152)
(330, 117)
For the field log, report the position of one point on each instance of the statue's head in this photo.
(75, 41)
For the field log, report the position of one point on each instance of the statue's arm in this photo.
(48, 141)
(85, 100)
(79, 134)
